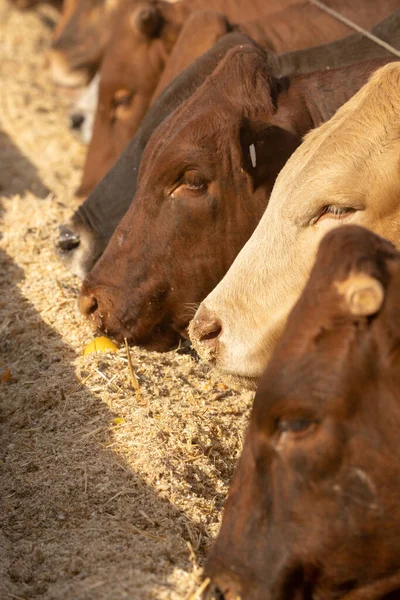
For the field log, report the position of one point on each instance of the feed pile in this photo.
(106, 493)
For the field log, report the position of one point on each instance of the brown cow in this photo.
(87, 25)
(84, 238)
(132, 66)
(140, 43)
(77, 39)
(314, 507)
(128, 80)
(204, 182)
(346, 171)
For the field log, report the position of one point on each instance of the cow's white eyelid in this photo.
(338, 211)
(334, 211)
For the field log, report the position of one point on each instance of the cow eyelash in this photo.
(193, 182)
(338, 212)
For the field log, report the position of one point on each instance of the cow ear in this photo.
(149, 20)
(363, 294)
(265, 150)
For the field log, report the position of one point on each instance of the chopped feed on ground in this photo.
(105, 494)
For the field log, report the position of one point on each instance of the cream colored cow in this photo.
(346, 171)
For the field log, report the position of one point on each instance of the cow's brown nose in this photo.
(205, 331)
(87, 304)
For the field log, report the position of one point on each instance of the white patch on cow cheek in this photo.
(253, 156)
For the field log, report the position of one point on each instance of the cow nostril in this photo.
(214, 593)
(67, 240)
(211, 332)
(88, 305)
(76, 120)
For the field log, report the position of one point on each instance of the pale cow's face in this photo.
(347, 171)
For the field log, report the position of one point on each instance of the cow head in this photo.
(79, 40)
(85, 236)
(204, 182)
(141, 41)
(314, 508)
(345, 172)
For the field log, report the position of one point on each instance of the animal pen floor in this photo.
(103, 495)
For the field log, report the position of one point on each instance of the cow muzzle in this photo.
(205, 331)
(223, 587)
(67, 240)
(88, 305)
(90, 308)
(101, 306)
(63, 75)
(76, 121)
(213, 593)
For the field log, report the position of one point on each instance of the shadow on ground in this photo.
(75, 518)
(17, 174)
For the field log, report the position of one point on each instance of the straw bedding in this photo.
(104, 494)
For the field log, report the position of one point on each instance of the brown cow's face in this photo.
(205, 179)
(313, 511)
(80, 39)
(132, 66)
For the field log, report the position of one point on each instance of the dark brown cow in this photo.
(132, 66)
(314, 507)
(82, 241)
(85, 237)
(205, 180)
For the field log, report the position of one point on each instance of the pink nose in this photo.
(205, 331)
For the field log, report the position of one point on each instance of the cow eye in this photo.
(297, 426)
(192, 182)
(121, 105)
(334, 212)
(122, 98)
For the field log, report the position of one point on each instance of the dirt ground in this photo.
(103, 494)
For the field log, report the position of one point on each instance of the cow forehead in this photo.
(189, 140)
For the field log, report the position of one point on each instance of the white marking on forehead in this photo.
(253, 155)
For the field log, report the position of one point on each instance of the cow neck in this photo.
(348, 50)
(323, 92)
